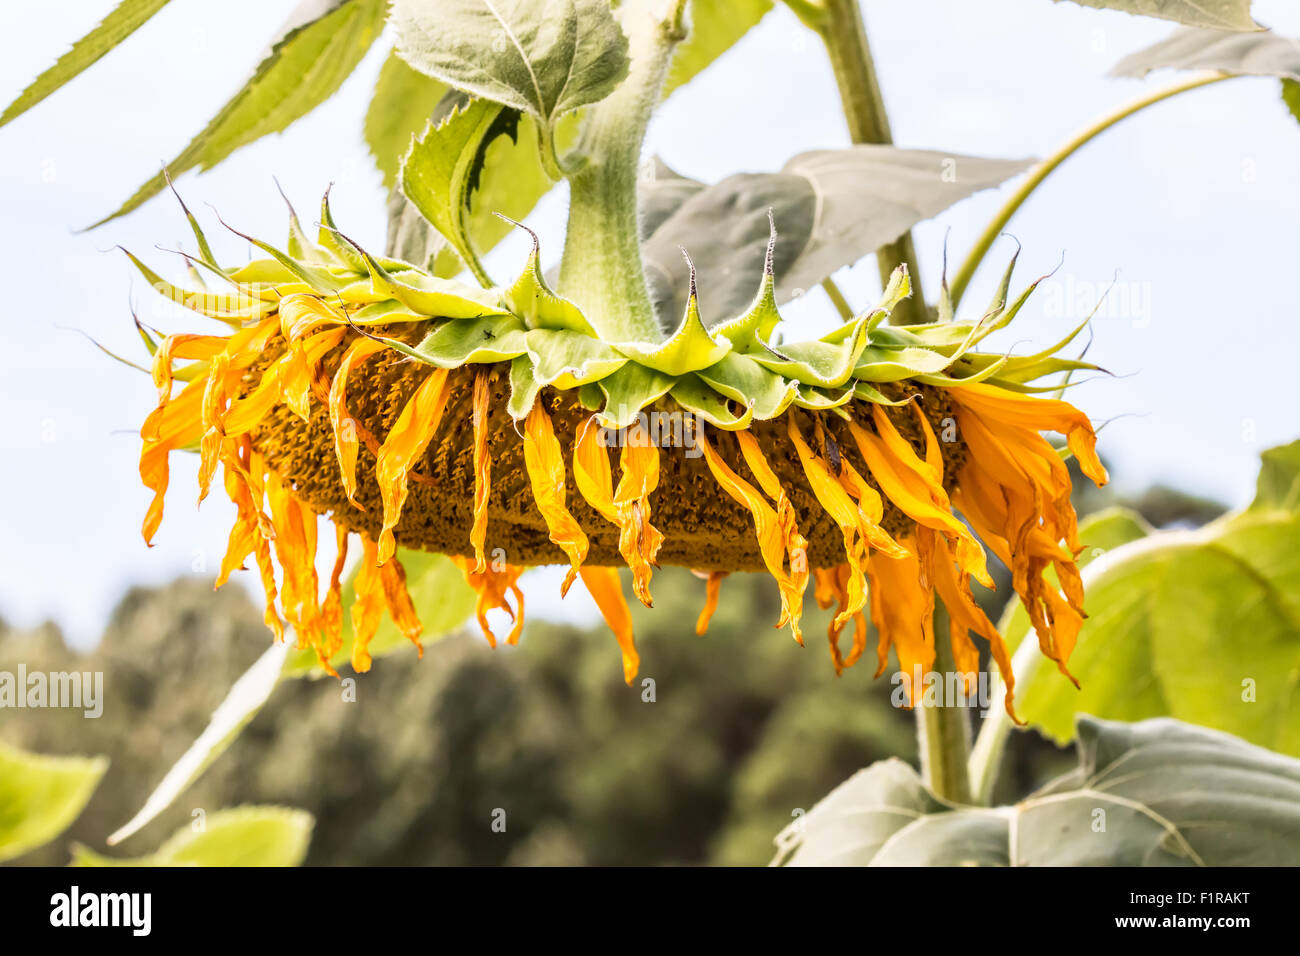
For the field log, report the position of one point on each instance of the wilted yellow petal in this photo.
(482, 470)
(767, 529)
(367, 605)
(1039, 414)
(545, 466)
(902, 608)
(712, 586)
(607, 591)
(404, 446)
(346, 439)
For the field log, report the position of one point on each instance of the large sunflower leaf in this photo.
(1156, 793)
(1212, 14)
(1200, 625)
(318, 47)
(1244, 54)
(541, 57)
(403, 101)
(831, 208)
(127, 17)
(40, 796)
(242, 836)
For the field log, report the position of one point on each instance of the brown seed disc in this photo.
(703, 527)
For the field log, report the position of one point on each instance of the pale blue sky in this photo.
(1195, 204)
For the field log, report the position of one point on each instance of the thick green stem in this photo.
(602, 269)
(943, 732)
(840, 25)
(1040, 172)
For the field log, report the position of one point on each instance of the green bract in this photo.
(730, 374)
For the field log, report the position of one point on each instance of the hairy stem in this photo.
(602, 269)
(840, 25)
(1040, 172)
(943, 732)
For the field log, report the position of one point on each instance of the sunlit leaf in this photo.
(127, 17)
(1200, 625)
(242, 836)
(403, 101)
(715, 26)
(317, 49)
(40, 796)
(541, 57)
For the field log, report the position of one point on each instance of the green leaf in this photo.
(1241, 54)
(319, 46)
(242, 836)
(1156, 793)
(402, 103)
(831, 208)
(1200, 625)
(1212, 14)
(715, 26)
(40, 796)
(1291, 96)
(540, 57)
(441, 170)
(127, 17)
(511, 179)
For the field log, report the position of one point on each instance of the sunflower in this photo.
(497, 427)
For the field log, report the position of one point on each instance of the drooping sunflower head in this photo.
(496, 426)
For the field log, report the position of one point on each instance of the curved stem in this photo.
(839, 24)
(1040, 172)
(602, 269)
(943, 730)
(837, 299)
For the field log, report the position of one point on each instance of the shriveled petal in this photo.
(367, 605)
(767, 528)
(404, 446)
(332, 608)
(482, 470)
(546, 473)
(492, 585)
(904, 479)
(392, 577)
(712, 586)
(902, 608)
(638, 540)
(346, 440)
(1039, 414)
(607, 591)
